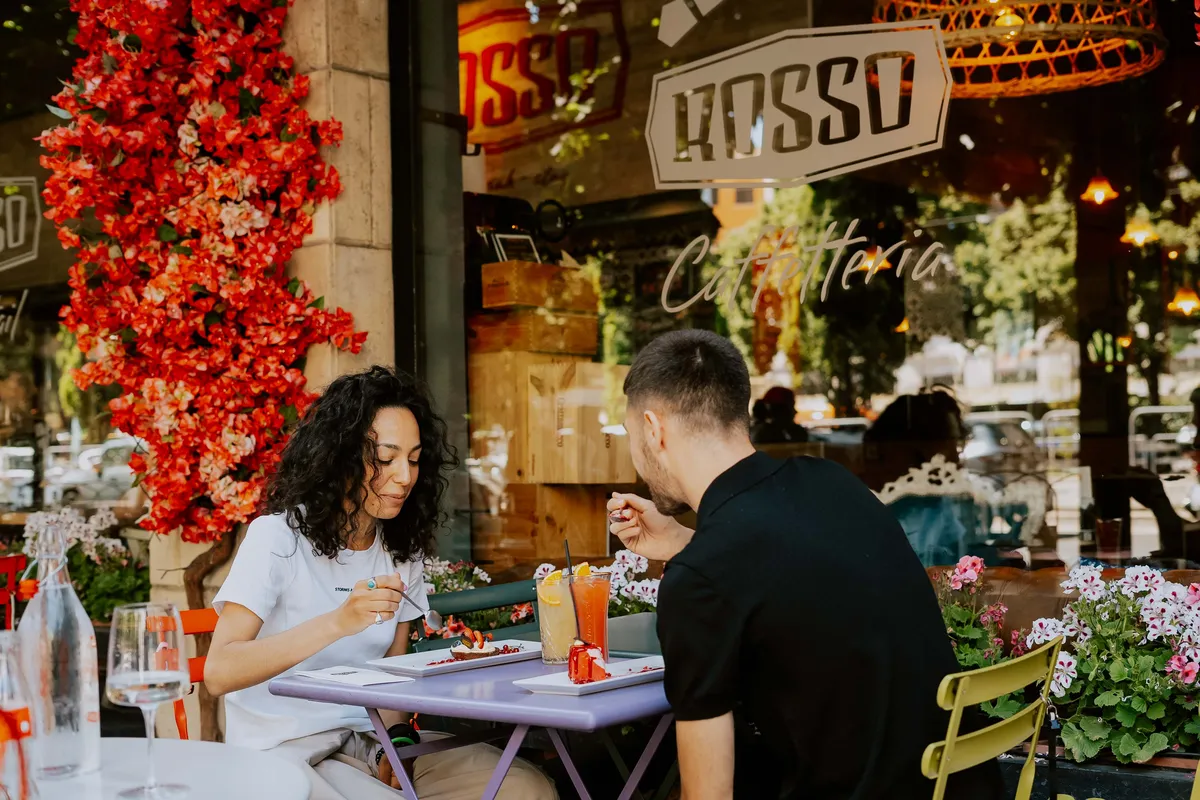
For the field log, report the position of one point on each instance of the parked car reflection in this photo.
(101, 474)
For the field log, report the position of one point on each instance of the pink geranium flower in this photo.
(1189, 671)
(1175, 664)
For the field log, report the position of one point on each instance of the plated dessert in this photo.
(476, 644)
(586, 663)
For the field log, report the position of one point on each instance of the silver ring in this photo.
(378, 618)
(371, 584)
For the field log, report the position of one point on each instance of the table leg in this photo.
(389, 749)
(506, 759)
(556, 737)
(639, 768)
(615, 754)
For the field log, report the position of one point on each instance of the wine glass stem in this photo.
(148, 713)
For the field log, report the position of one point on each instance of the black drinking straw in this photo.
(571, 589)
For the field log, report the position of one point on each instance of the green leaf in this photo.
(1126, 716)
(1109, 698)
(59, 112)
(1154, 745)
(196, 287)
(1006, 706)
(319, 303)
(166, 233)
(1117, 670)
(290, 415)
(287, 136)
(1094, 728)
(280, 3)
(118, 159)
(127, 335)
(168, 437)
(293, 286)
(1193, 726)
(1126, 746)
(1080, 746)
(182, 249)
(1138, 704)
(133, 43)
(98, 114)
(71, 34)
(212, 318)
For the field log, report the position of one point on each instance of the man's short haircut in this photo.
(696, 374)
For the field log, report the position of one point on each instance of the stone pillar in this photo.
(342, 45)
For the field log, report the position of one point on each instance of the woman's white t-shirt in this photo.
(276, 576)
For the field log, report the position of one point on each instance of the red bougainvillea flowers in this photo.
(186, 174)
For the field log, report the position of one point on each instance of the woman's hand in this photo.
(366, 607)
(640, 527)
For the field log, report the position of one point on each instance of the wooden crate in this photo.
(498, 399)
(534, 330)
(536, 520)
(514, 284)
(570, 404)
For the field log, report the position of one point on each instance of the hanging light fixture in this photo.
(1184, 302)
(1139, 232)
(1098, 191)
(902, 327)
(1023, 47)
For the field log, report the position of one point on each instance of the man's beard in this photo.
(665, 499)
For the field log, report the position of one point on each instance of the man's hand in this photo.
(640, 527)
(706, 758)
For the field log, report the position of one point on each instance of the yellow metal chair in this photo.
(965, 689)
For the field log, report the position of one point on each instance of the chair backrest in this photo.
(960, 690)
(195, 621)
(11, 567)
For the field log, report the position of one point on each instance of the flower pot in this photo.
(634, 633)
(1109, 781)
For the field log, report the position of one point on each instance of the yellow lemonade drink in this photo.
(556, 618)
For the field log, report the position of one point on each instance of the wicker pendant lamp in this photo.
(1024, 47)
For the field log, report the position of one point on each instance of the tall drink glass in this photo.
(557, 607)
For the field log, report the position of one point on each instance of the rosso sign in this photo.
(799, 106)
(20, 221)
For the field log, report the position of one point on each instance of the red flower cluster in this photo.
(186, 176)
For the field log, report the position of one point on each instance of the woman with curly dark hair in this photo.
(350, 514)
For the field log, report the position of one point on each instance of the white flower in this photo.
(543, 570)
(1044, 630)
(1138, 580)
(189, 139)
(1064, 674)
(480, 575)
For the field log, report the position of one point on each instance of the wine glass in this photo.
(144, 670)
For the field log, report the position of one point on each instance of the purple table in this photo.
(488, 694)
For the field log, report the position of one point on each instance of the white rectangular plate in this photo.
(624, 673)
(352, 676)
(423, 665)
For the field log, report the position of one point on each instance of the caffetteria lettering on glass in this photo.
(799, 106)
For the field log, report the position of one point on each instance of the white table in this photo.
(211, 770)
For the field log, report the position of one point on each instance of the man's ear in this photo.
(654, 429)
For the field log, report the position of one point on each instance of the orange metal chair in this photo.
(202, 620)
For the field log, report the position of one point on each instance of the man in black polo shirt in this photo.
(799, 629)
